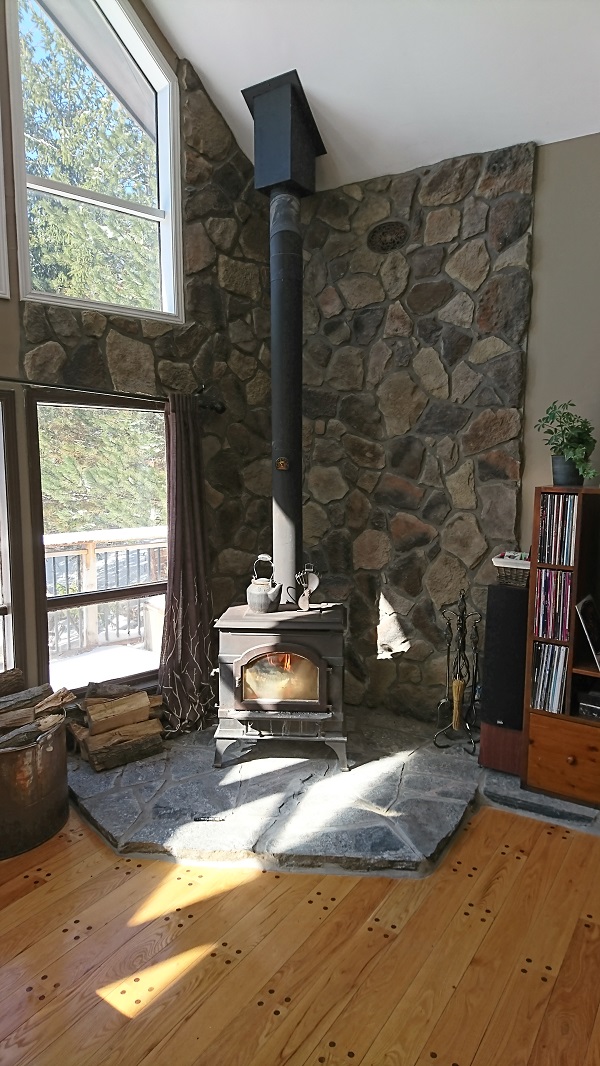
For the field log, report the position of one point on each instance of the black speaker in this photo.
(503, 682)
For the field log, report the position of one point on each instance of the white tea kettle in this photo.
(263, 594)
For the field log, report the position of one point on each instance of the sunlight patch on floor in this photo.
(191, 886)
(132, 995)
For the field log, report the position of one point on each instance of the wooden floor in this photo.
(494, 960)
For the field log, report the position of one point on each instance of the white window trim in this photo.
(136, 39)
(4, 280)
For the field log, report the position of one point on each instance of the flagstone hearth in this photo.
(279, 805)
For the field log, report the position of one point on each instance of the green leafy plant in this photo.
(569, 435)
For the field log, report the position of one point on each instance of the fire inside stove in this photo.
(280, 676)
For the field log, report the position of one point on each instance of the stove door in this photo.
(286, 677)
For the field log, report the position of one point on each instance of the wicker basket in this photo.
(512, 571)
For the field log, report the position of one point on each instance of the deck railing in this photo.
(81, 563)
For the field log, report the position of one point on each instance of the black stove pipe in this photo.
(286, 142)
(286, 386)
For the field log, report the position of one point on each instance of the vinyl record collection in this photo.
(549, 677)
(552, 604)
(558, 523)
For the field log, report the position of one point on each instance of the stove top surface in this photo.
(329, 616)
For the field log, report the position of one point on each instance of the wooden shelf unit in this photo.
(561, 753)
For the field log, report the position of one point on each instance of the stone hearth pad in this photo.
(290, 806)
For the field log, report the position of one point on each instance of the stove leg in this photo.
(220, 749)
(339, 747)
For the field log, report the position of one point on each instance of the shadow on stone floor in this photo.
(287, 804)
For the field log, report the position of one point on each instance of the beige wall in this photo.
(563, 361)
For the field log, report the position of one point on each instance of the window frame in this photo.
(11, 586)
(128, 28)
(4, 275)
(44, 603)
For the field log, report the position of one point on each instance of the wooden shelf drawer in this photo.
(564, 757)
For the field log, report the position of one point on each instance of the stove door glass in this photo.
(280, 676)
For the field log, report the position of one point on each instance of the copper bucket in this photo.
(34, 794)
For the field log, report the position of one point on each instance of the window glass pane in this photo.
(103, 470)
(104, 641)
(76, 129)
(104, 498)
(280, 676)
(92, 253)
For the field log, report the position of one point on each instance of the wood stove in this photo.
(281, 677)
(281, 672)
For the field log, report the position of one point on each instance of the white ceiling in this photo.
(396, 84)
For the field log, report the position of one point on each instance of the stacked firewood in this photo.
(111, 725)
(26, 713)
(121, 726)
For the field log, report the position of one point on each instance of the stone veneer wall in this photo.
(413, 378)
(414, 373)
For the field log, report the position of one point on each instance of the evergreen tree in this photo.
(102, 468)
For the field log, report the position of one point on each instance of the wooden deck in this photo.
(494, 960)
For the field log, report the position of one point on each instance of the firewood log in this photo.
(127, 744)
(29, 697)
(11, 681)
(12, 719)
(27, 734)
(55, 700)
(111, 714)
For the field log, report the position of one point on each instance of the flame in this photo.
(282, 659)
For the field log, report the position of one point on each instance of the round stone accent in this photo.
(387, 236)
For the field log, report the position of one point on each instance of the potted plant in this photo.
(571, 442)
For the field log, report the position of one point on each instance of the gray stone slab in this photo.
(429, 823)
(450, 762)
(144, 771)
(145, 792)
(435, 786)
(84, 782)
(505, 789)
(195, 797)
(278, 777)
(374, 785)
(188, 761)
(289, 804)
(204, 840)
(113, 813)
(372, 848)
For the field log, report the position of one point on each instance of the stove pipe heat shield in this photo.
(286, 142)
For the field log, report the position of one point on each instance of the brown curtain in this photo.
(187, 645)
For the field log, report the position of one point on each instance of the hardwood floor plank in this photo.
(451, 890)
(21, 932)
(111, 953)
(402, 1037)
(204, 1023)
(72, 831)
(463, 1022)
(514, 1024)
(59, 939)
(569, 1018)
(153, 960)
(256, 1031)
(493, 960)
(39, 876)
(592, 1057)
